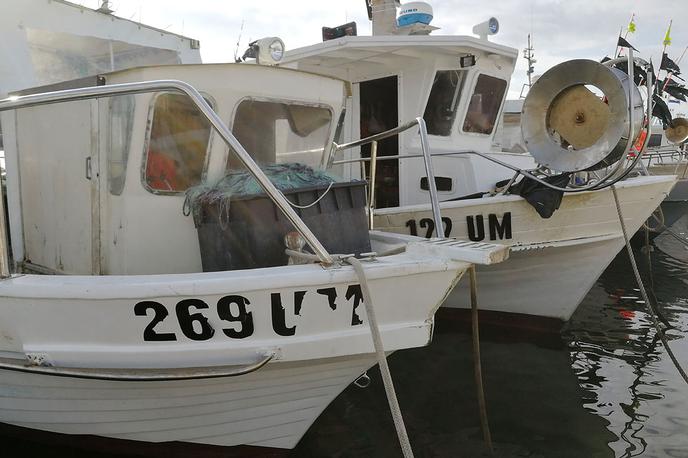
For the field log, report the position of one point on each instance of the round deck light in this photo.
(270, 50)
(276, 49)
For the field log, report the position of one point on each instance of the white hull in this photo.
(555, 261)
(548, 282)
(273, 407)
(309, 317)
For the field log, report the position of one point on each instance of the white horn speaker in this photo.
(576, 116)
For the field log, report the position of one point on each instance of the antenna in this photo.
(529, 55)
(105, 7)
(236, 51)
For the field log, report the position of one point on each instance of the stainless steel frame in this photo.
(215, 120)
(425, 147)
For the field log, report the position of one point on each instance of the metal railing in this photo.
(275, 194)
(429, 171)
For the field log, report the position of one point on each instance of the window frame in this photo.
(127, 146)
(146, 144)
(278, 100)
(465, 80)
(500, 109)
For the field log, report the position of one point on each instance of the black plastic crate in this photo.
(252, 231)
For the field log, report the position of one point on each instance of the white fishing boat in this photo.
(109, 322)
(457, 84)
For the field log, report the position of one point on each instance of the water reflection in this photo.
(622, 366)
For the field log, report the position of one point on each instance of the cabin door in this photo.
(379, 111)
(58, 152)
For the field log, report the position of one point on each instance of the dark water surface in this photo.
(605, 387)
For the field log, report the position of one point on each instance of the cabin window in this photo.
(121, 123)
(178, 142)
(483, 107)
(275, 132)
(445, 94)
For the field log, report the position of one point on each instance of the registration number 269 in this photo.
(234, 311)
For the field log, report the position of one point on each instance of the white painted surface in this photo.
(55, 193)
(555, 261)
(89, 321)
(273, 407)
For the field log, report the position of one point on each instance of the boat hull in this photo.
(546, 282)
(675, 206)
(311, 320)
(273, 407)
(554, 262)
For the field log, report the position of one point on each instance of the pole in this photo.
(371, 184)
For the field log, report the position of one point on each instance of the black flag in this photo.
(669, 65)
(676, 91)
(625, 44)
(661, 111)
(639, 73)
(651, 77)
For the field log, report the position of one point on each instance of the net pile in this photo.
(240, 183)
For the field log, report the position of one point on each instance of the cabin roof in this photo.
(200, 66)
(379, 49)
(131, 74)
(119, 18)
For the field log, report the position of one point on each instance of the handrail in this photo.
(207, 111)
(429, 170)
(136, 374)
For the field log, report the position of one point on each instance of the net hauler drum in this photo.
(678, 132)
(568, 127)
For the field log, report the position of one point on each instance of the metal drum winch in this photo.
(567, 127)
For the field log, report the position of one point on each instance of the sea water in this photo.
(604, 387)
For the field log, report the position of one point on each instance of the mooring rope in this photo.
(477, 368)
(636, 272)
(382, 359)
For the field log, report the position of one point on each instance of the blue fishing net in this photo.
(240, 183)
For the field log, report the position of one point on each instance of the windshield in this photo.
(276, 132)
(440, 111)
(484, 105)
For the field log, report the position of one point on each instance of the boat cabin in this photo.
(98, 186)
(458, 84)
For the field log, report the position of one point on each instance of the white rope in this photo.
(303, 207)
(382, 360)
(643, 293)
